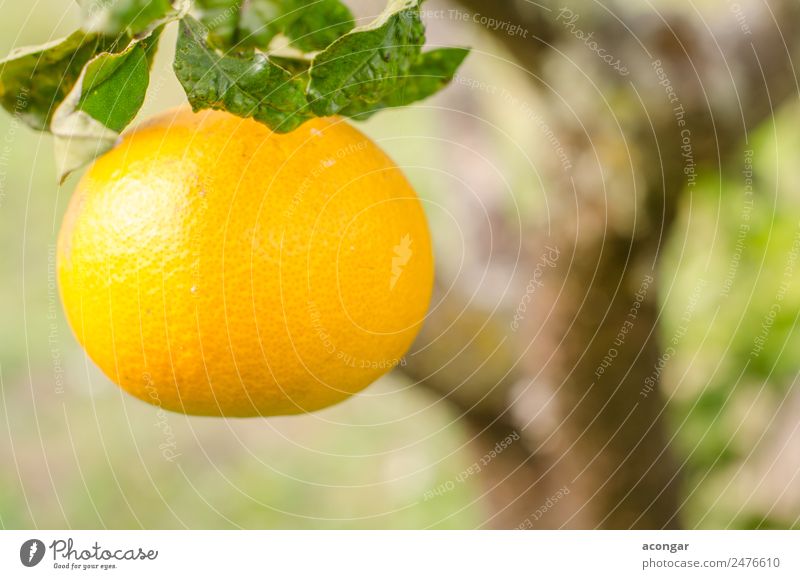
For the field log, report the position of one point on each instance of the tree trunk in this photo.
(577, 388)
(603, 438)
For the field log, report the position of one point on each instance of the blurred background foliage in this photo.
(76, 452)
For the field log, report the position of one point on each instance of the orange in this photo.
(212, 267)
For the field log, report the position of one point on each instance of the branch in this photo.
(464, 355)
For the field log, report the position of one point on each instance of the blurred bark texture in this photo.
(579, 379)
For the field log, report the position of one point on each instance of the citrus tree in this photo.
(575, 383)
(637, 107)
(251, 254)
(280, 62)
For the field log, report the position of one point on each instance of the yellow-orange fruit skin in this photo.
(212, 267)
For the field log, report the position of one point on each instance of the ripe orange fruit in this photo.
(210, 266)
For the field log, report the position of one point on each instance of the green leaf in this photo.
(114, 17)
(244, 25)
(221, 20)
(35, 80)
(362, 67)
(114, 85)
(104, 100)
(315, 25)
(432, 71)
(247, 86)
(297, 65)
